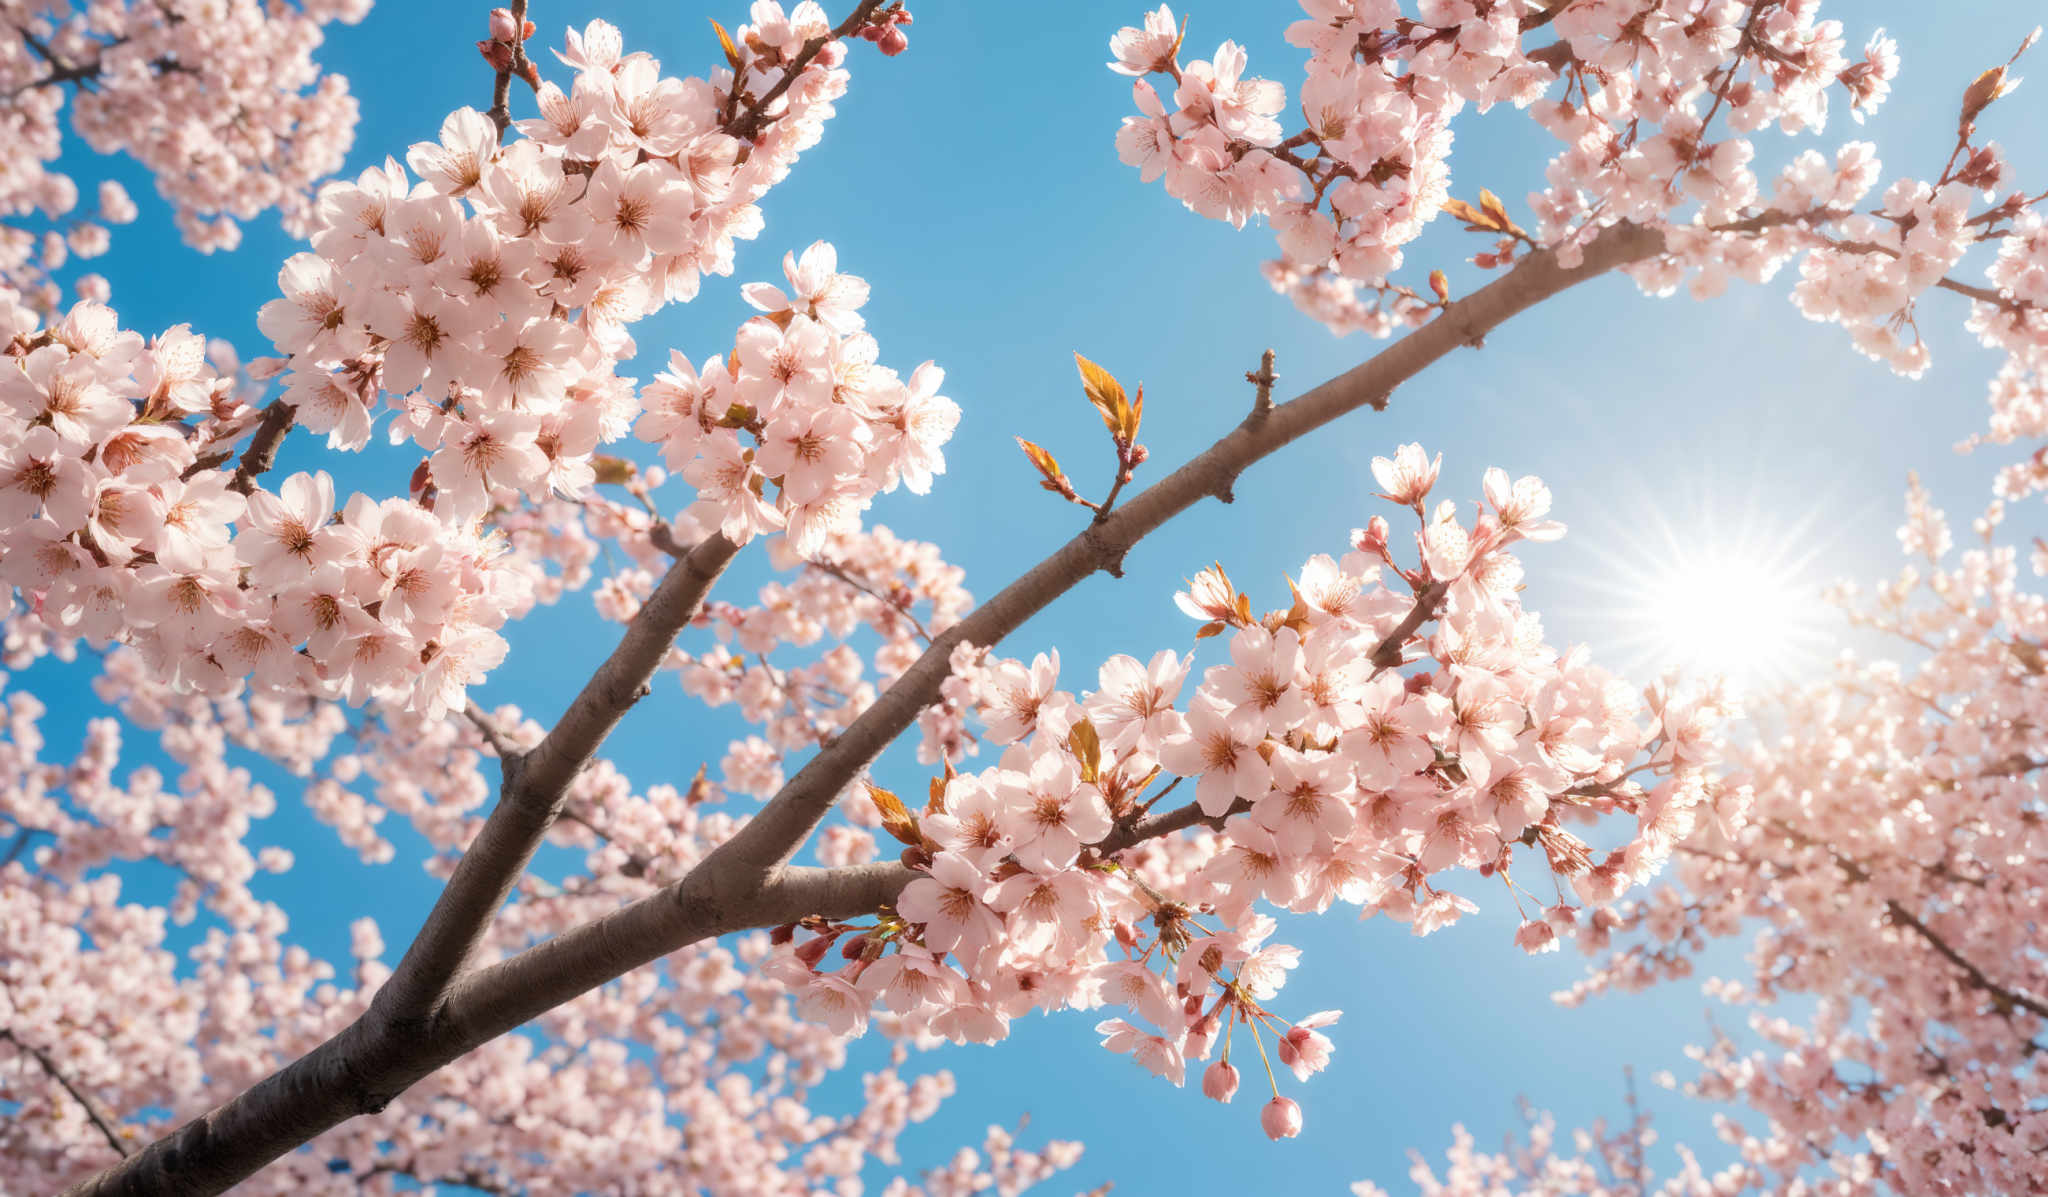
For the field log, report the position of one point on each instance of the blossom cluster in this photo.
(118, 531)
(222, 103)
(829, 428)
(487, 305)
(1641, 86)
(1341, 754)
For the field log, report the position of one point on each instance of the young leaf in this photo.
(1978, 96)
(1106, 393)
(1086, 743)
(1458, 209)
(1491, 205)
(896, 817)
(732, 52)
(1054, 479)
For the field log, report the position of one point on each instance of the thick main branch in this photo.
(406, 1033)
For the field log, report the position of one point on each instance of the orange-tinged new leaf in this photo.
(1054, 479)
(896, 817)
(1490, 204)
(1458, 209)
(1441, 285)
(1982, 91)
(1106, 393)
(1087, 745)
(1136, 412)
(732, 52)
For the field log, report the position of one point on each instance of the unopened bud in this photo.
(1219, 1081)
(502, 27)
(813, 950)
(1281, 1118)
(1373, 537)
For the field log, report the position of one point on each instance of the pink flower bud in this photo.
(892, 43)
(1219, 1081)
(813, 950)
(502, 28)
(1372, 538)
(1281, 1118)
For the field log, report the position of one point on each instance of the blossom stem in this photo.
(1263, 1058)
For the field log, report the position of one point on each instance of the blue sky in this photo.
(973, 182)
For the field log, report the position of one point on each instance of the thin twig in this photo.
(1974, 975)
(501, 87)
(902, 609)
(748, 123)
(86, 1103)
(262, 451)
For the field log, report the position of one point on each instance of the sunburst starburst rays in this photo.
(1710, 596)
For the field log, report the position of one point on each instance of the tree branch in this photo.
(399, 1039)
(85, 1102)
(773, 836)
(260, 454)
(1971, 973)
(1856, 871)
(535, 784)
(748, 123)
(900, 609)
(501, 87)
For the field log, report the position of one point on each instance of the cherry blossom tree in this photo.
(1388, 733)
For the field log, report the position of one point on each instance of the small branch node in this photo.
(1263, 378)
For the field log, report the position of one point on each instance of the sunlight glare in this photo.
(1717, 613)
(1726, 586)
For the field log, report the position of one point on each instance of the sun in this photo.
(1720, 613)
(1739, 600)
